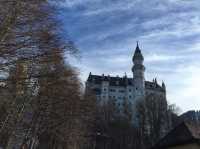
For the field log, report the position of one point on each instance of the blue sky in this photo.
(106, 31)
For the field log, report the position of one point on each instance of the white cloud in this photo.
(111, 8)
(73, 3)
(186, 90)
(159, 58)
(168, 30)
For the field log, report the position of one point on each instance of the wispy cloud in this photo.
(105, 31)
(161, 58)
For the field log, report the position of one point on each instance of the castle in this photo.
(120, 88)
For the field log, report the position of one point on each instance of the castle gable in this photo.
(153, 86)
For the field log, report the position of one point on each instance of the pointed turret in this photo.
(163, 85)
(125, 75)
(126, 79)
(90, 76)
(138, 55)
(155, 81)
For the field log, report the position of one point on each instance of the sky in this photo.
(168, 31)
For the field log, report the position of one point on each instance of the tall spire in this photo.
(138, 55)
(155, 81)
(163, 85)
(125, 74)
(137, 47)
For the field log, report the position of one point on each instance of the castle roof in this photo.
(121, 82)
(138, 54)
(153, 85)
(113, 81)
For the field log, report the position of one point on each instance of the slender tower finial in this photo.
(137, 43)
(125, 74)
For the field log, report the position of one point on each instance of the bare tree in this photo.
(154, 118)
(45, 92)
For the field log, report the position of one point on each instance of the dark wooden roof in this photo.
(184, 133)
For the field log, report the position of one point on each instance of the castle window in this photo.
(130, 90)
(136, 88)
(112, 90)
(130, 97)
(97, 91)
(104, 89)
(121, 91)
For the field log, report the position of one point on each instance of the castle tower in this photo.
(138, 70)
(164, 88)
